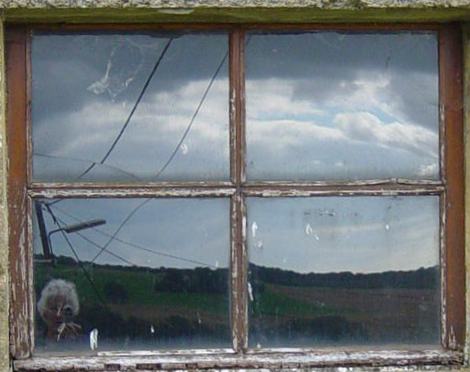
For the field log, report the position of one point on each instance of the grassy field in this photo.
(277, 312)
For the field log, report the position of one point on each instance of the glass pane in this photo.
(133, 107)
(152, 275)
(344, 271)
(342, 106)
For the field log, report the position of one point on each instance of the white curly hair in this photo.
(58, 290)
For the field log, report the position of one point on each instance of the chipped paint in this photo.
(234, 270)
(135, 192)
(338, 191)
(443, 264)
(251, 360)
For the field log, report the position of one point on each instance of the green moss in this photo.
(236, 15)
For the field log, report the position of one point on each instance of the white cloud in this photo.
(364, 126)
(284, 133)
(161, 117)
(275, 98)
(427, 170)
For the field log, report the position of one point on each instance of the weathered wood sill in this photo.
(270, 360)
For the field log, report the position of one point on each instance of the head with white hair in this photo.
(58, 305)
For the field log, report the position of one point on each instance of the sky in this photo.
(320, 106)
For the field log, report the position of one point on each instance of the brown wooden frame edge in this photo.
(451, 112)
(21, 307)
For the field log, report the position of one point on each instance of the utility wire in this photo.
(94, 163)
(134, 108)
(191, 122)
(171, 157)
(121, 225)
(138, 246)
(126, 123)
(97, 245)
(79, 262)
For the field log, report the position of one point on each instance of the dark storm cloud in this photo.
(326, 66)
(68, 69)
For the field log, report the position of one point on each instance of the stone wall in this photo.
(4, 283)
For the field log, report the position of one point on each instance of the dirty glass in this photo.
(130, 107)
(342, 106)
(344, 271)
(126, 274)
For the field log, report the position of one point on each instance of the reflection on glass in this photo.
(342, 106)
(344, 271)
(130, 107)
(152, 275)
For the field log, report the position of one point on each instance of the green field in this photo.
(126, 302)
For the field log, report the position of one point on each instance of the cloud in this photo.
(275, 98)
(366, 127)
(155, 129)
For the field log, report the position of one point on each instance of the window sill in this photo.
(270, 360)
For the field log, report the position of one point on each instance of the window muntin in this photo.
(451, 182)
(128, 104)
(337, 106)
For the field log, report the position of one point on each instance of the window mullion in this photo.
(237, 142)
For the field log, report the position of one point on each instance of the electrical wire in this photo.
(79, 262)
(131, 114)
(191, 122)
(89, 161)
(173, 154)
(134, 108)
(98, 246)
(138, 246)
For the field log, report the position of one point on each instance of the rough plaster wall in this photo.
(4, 345)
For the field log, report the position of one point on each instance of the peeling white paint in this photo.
(254, 228)
(250, 292)
(184, 149)
(94, 339)
(308, 229)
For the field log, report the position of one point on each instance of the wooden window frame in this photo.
(450, 188)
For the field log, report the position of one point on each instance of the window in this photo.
(249, 196)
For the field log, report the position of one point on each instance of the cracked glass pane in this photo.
(130, 107)
(344, 271)
(131, 274)
(342, 106)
